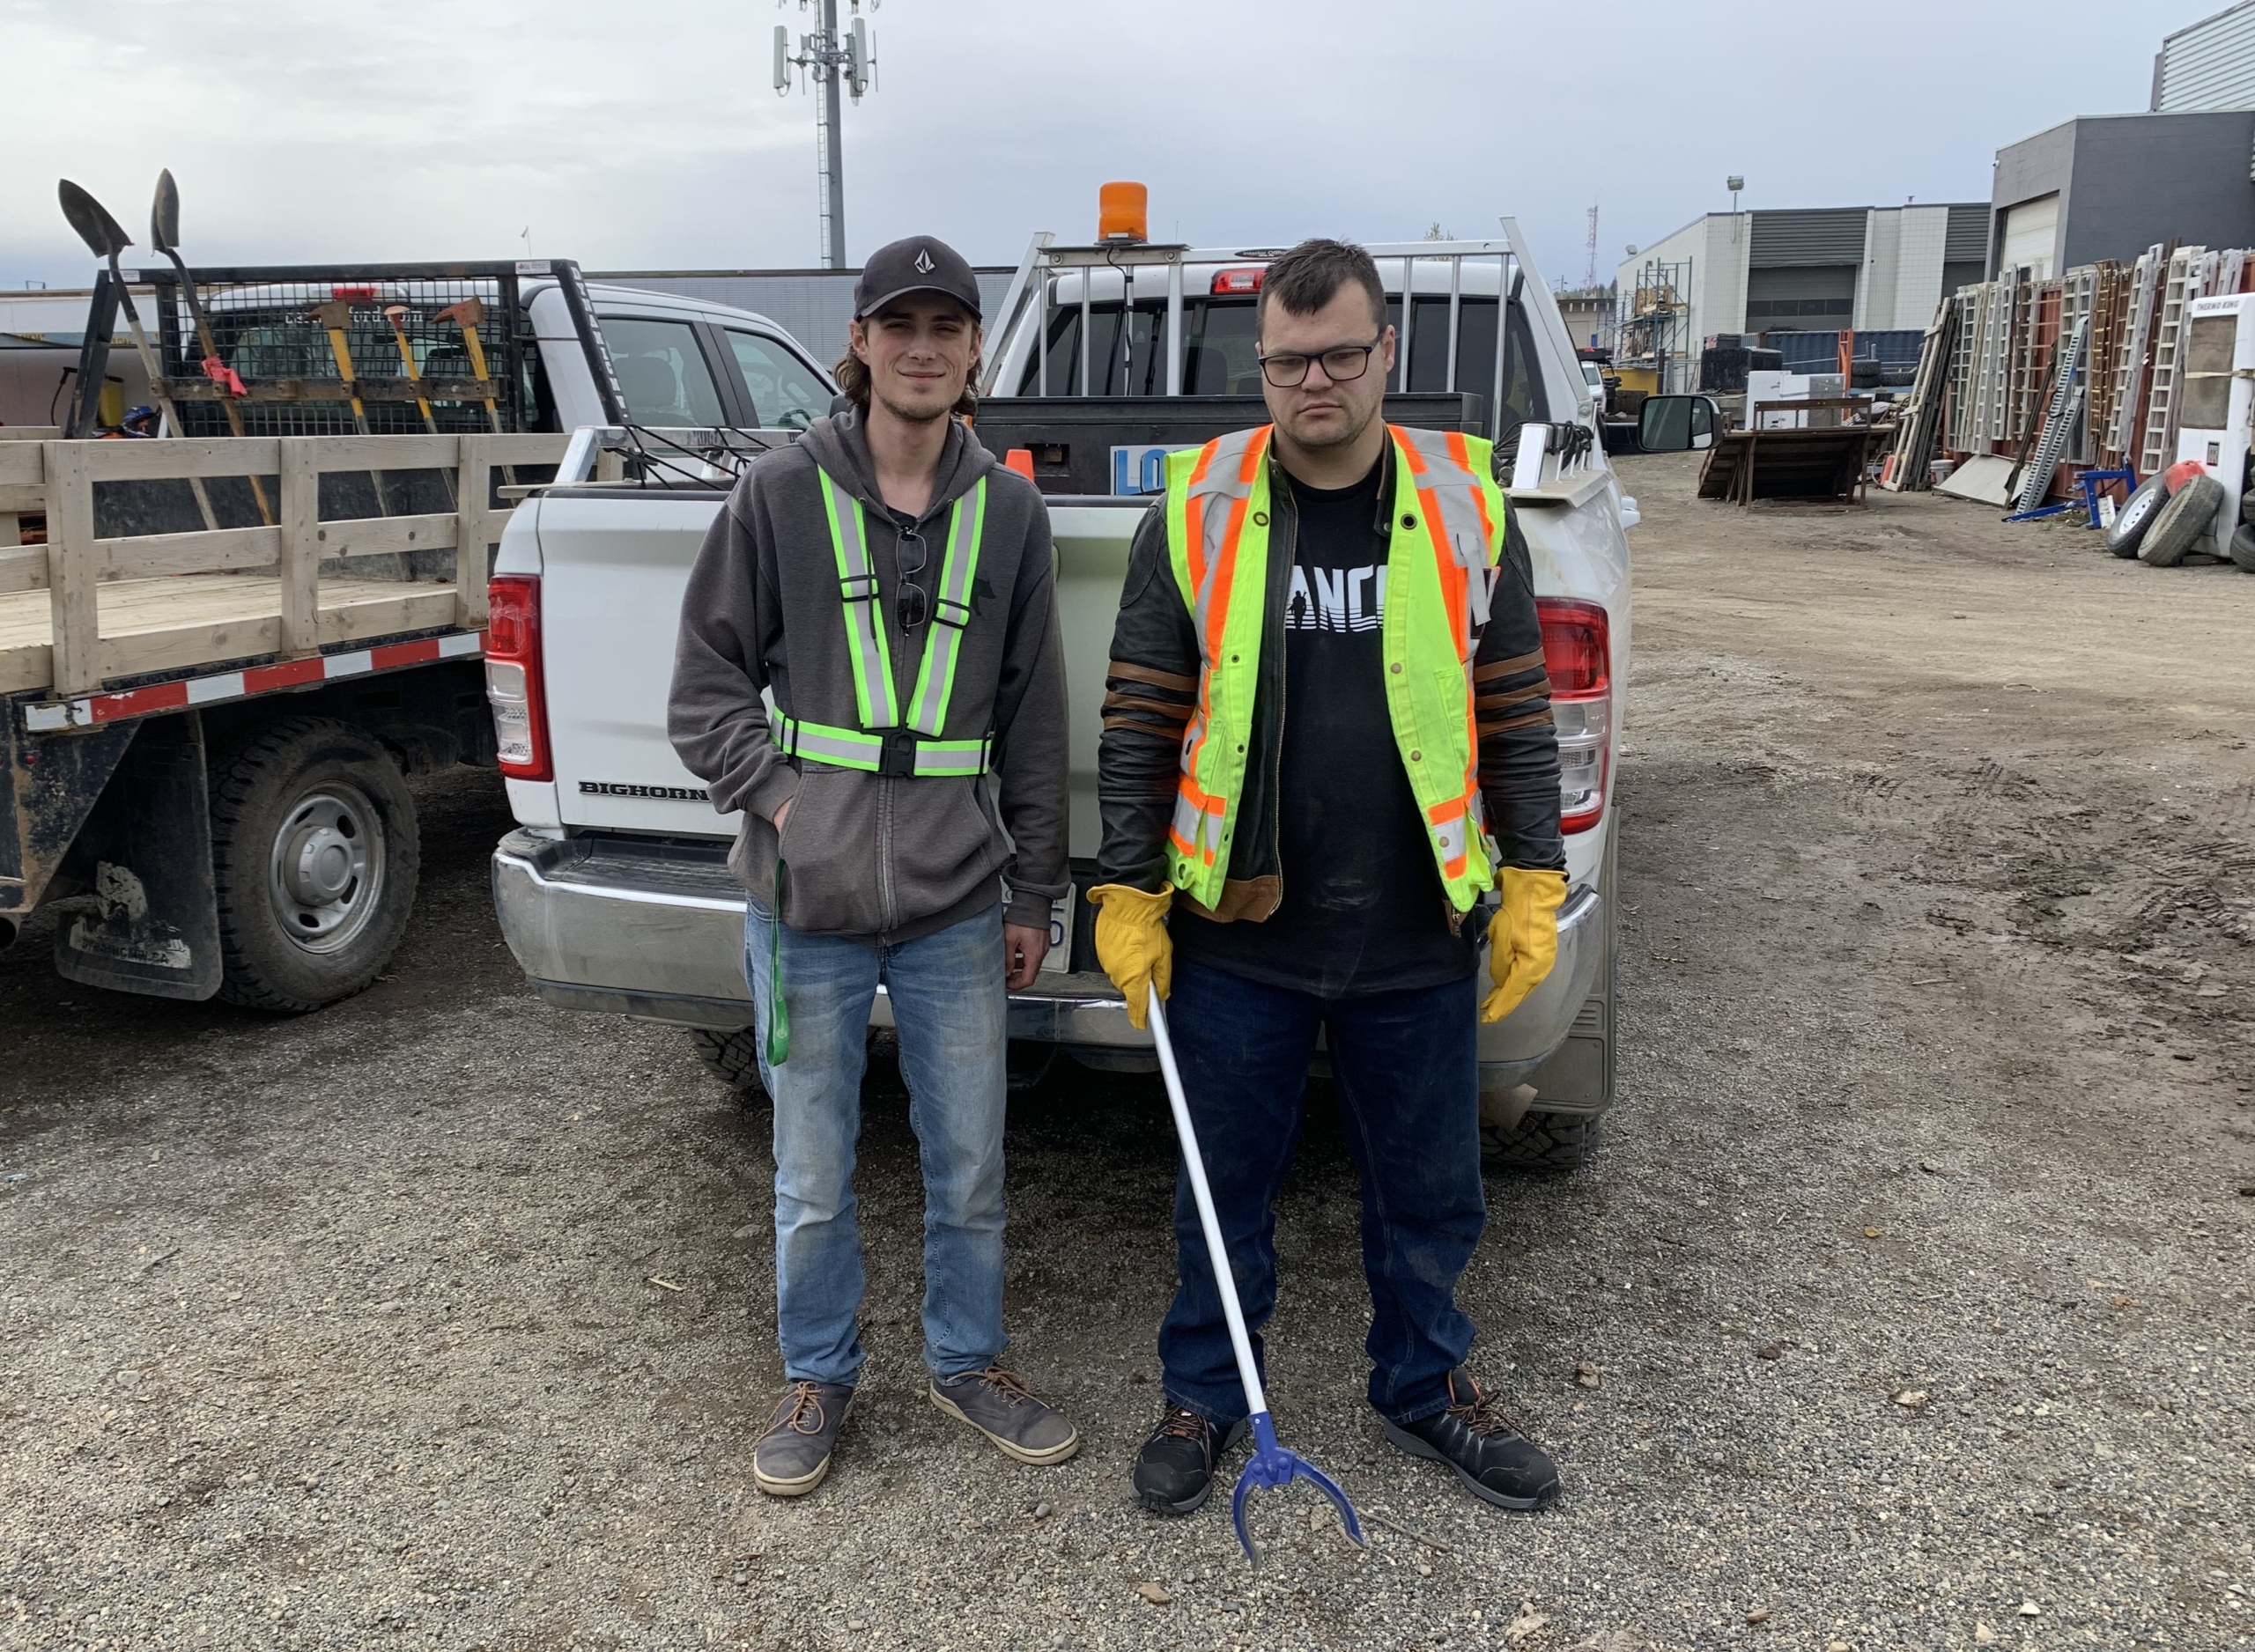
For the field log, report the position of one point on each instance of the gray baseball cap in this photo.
(922, 263)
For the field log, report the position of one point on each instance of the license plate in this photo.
(1059, 958)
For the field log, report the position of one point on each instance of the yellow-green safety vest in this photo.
(1447, 535)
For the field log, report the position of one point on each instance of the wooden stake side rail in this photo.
(291, 615)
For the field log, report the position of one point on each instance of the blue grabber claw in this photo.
(1272, 1465)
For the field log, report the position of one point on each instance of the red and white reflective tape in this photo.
(252, 680)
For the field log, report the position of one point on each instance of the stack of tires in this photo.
(2165, 517)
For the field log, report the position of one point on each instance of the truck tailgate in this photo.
(612, 573)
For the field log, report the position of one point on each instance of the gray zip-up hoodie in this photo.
(874, 856)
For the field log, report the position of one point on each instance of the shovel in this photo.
(1271, 1464)
(335, 317)
(164, 234)
(396, 315)
(470, 315)
(106, 238)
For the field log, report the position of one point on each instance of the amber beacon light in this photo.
(1123, 212)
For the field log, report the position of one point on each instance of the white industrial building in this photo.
(1871, 268)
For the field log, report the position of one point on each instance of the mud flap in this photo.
(152, 924)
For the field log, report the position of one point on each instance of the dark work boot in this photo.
(1174, 1472)
(793, 1454)
(1497, 1463)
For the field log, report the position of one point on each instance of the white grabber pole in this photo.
(1271, 1464)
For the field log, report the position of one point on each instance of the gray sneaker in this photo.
(793, 1454)
(997, 1403)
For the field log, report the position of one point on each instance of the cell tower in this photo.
(831, 55)
(1589, 281)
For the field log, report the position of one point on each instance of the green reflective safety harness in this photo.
(881, 745)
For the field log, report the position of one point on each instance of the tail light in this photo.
(352, 292)
(1245, 280)
(1577, 652)
(512, 684)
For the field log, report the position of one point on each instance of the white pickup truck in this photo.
(613, 892)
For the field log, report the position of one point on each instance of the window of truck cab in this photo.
(1219, 351)
(786, 394)
(663, 373)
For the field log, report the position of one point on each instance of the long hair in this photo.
(853, 379)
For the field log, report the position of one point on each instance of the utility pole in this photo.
(833, 56)
(1589, 281)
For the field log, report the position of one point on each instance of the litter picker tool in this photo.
(335, 318)
(394, 314)
(106, 238)
(164, 235)
(470, 315)
(1271, 1464)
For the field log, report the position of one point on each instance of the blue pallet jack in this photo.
(2093, 483)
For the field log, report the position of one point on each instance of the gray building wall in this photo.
(812, 306)
(2126, 181)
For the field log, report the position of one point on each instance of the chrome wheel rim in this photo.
(325, 873)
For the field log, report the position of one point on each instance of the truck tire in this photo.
(2242, 546)
(314, 857)
(733, 1058)
(2187, 515)
(2135, 517)
(1543, 1143)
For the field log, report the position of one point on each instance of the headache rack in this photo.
(385, 349)
(1430, 294)
(641, 459)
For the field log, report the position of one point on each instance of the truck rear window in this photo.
(1218, 354)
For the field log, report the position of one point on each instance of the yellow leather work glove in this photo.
(1132, 944)
(1523, 940)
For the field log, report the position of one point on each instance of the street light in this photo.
(827, 52)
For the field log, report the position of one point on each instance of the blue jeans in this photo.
(1407, 1067)
(951, 1008)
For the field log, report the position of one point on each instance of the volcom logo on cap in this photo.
(923, 263)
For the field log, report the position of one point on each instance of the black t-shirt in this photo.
(1363, 910)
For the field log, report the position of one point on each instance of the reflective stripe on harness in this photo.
(857, 588)
(899, 753)
(928, 706)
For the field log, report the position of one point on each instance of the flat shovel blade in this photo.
(103, 234)
(164, 215)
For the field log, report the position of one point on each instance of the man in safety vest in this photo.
(1327, 735)
(890, 586)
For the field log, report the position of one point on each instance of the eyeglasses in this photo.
(1346, 361)
(913, 607)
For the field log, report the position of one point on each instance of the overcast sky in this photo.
(648, 136)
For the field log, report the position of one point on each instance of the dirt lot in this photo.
(1916, 1266)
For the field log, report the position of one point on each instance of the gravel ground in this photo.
(1910, 1290)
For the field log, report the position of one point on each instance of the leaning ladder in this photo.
(2169, 324)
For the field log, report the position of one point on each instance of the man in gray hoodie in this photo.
(890, 586)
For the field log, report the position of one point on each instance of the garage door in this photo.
(2032, 229)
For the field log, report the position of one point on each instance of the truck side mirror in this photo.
(1675, 424)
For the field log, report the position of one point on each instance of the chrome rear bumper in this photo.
(654, 929)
